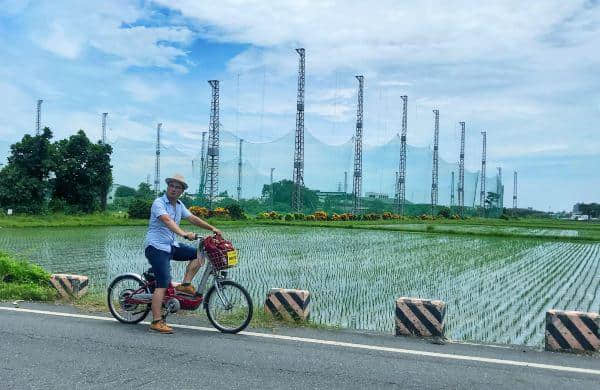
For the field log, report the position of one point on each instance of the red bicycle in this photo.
(227, 304)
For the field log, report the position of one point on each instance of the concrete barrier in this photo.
(420, 317)
(288, 303)
(70, 286)
(572, 331)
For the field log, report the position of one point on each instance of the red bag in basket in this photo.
(216, 248)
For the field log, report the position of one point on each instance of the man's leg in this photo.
(160, 261)
(188, 253)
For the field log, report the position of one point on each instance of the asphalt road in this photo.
(42, 350)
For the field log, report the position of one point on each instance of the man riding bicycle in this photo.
(161, 246)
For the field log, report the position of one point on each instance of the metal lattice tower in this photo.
(299, 143)
(212, 152)
(104, 115)
(157, 161)
(461, 169)
(239, 187)
(452, 190)
(483, 160)
(272, 194)
(515, 190)
(401, 186)
(499, 188)
(357, 187)
(434, 173)
(38, 117)
(202, 181)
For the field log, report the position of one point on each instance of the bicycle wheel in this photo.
(118, 291)
(229, 308)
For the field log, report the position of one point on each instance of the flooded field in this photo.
(497, 289)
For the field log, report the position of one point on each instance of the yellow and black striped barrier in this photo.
(571, 331)
(420, 317)
(288, 303)
(69, 286)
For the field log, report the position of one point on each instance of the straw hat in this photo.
(178, 178)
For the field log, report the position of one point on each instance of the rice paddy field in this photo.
(497, 289)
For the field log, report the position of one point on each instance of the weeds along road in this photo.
(57, 346)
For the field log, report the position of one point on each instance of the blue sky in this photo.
(527, 73)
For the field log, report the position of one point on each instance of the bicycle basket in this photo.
(220, 252)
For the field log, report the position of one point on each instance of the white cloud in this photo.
(146, 92)
(73, 27)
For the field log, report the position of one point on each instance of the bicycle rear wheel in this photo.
(229, 308)
(119, 291)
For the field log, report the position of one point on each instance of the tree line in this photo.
(71, 175)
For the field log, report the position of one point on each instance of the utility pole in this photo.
(461, 170)
(212, 152)
(452, 190)
(239, 187)
(346, 182)
(357, 187)
(434, 173)
(157, 161)
(272, 194)
(483, 160)
(515, 191)
(104, 115)
(401, 194)
(299, 142)
(38, 117)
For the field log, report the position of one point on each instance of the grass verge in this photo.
(20, 279)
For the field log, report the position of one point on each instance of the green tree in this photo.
(124, 191)
(144, 191)
(282, 193)
(24, 180)
(84, 174)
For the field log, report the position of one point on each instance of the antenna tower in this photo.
(38, 117)
(499, 188)
(452, 190)
(357, 188)
(212, 152)
(461, 169)
(104, 115)
(272, 195)
(483, 159)
(157, 161)
(434, 173)
(239, 187)
(299, 144)
(515, 191)
(401, 194)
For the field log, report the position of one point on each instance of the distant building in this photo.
(322, 195)
(376, 195)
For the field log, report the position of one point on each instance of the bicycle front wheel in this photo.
(229, 307)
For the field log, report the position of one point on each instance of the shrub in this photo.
(310, 217)
(236, 211)
(299, 216)
(387, 215)
(289, 217)
(320, 215)
(444, 212)
(200, 212)
(140, 208)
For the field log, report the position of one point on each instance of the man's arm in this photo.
(203, 224)
(175, 228)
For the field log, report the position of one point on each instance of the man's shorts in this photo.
(161, 261)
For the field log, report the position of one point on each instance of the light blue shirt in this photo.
(159, 235)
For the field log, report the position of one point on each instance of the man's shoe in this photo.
(161, 326)
(186, 289)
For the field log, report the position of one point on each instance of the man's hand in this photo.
(190, 236)
(217, 231)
